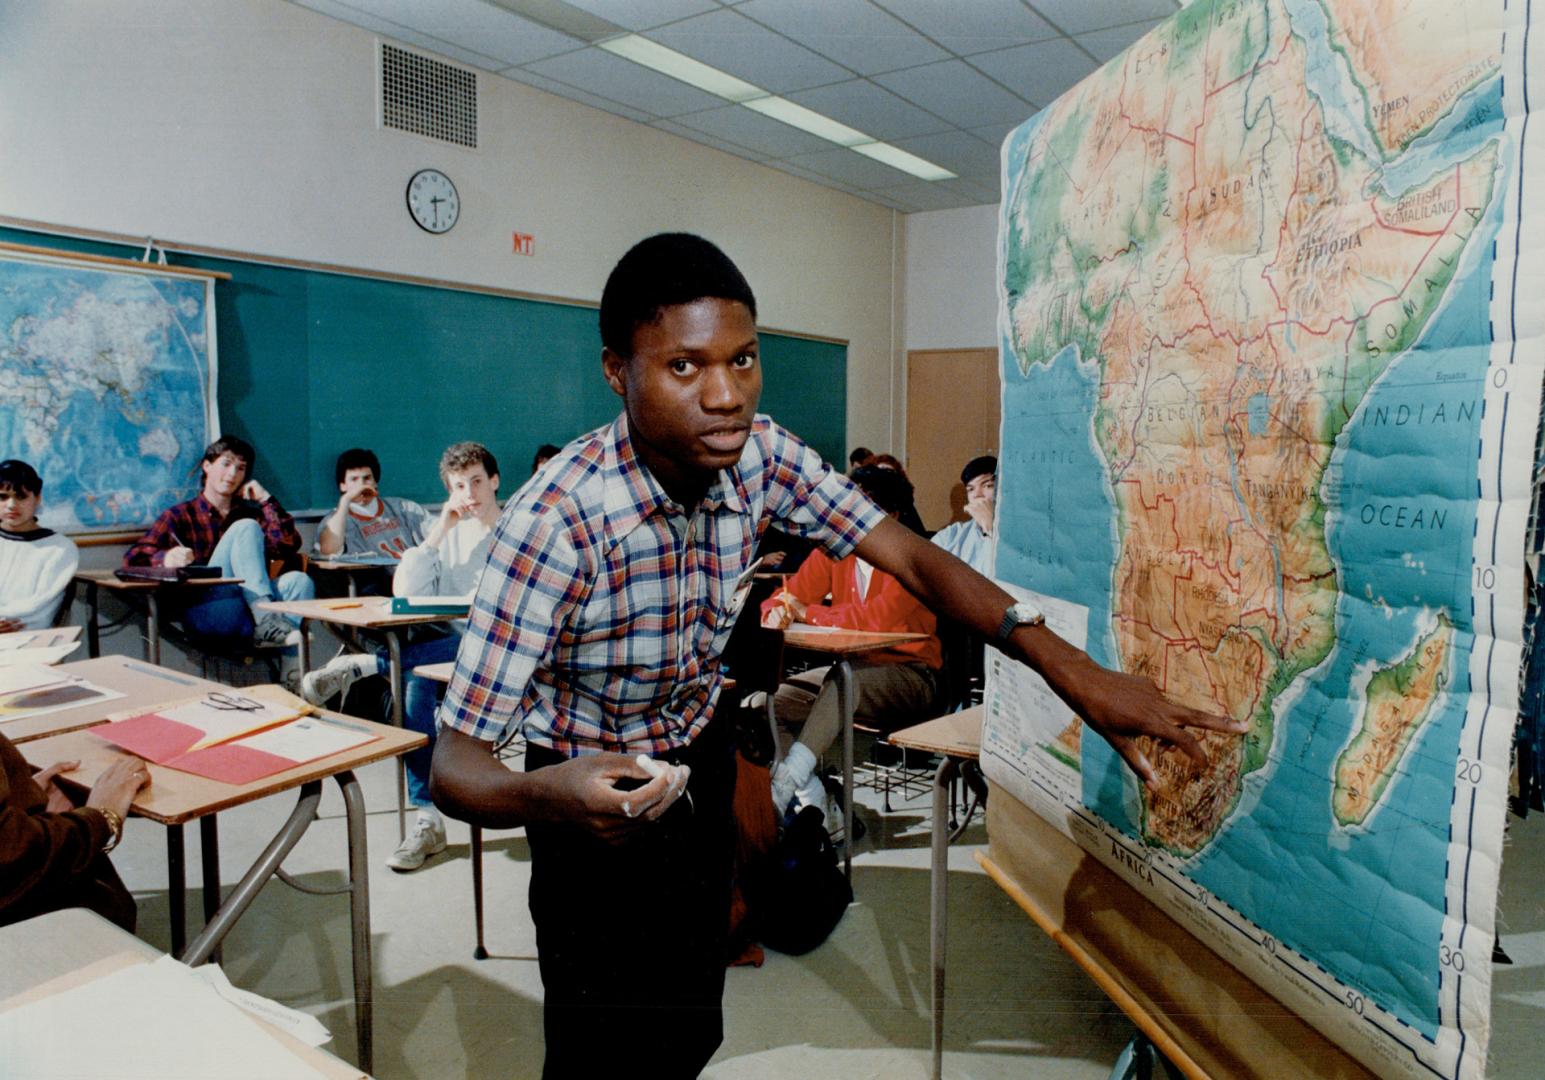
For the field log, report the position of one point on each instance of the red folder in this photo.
(166, 742)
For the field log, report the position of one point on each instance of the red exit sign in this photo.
(524, 243)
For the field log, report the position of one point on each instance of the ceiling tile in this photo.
(617, 79)
(1040, 73)
(996, 133)
(553, 86)
(871, 109)
(708, 140)
(796, 170)
(943, 195)
(643, 14)
(957, 92)
(753, 130)
(483, 28)
(735, 44)
(972, 26)
(847, 167)
(962, 154)
(387, 28)
(1106, 45)
(851, 32)
(1077, 16)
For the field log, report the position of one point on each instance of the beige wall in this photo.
(250, 125)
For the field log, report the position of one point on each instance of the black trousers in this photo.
(631, 939)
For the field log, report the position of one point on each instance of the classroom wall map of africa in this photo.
(1270, 307)
(107, 386)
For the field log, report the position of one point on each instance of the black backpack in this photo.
(797, 891)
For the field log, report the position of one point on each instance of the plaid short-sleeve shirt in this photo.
(603, 608)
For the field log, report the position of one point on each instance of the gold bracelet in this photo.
(115, 825)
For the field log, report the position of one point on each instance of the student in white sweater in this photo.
(36, 564)
(446, 563)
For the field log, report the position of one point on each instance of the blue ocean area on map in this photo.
(106, 377)
(1363, 896)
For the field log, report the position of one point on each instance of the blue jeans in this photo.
(225, 611)
(420, 699)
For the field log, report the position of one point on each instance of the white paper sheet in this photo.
(146, 1022)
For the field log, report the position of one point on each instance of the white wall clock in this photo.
(432, 200)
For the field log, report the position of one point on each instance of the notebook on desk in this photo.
(166, 573)
(431, 605)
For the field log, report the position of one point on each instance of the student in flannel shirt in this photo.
(609, 593)
(235, 524)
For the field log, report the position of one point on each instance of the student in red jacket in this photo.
(894, 687)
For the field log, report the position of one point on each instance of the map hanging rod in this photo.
(108, 260)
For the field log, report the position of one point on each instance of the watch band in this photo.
(1018, 614)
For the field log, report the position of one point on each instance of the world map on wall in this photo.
(107, 386)
(1261, 374)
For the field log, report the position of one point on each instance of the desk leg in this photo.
(153, 627)
(394, 655)
(938, 912)
(305, 647)
(353, 592)
(176, 888)
(359, 917)
(208, 940)
(209, 852)
(93, 631)
(846, 703)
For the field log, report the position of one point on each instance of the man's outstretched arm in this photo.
(1119, 707)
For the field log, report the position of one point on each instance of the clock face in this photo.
(432, 200)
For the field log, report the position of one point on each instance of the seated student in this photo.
(36, 564)
(544, 453)
(53, 855)
(365, 521)
(894, 687)
(859, 456)
(236, 525)
(908, 514)
(970, 541)
(446, 563)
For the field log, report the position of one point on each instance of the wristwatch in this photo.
(1020, 613)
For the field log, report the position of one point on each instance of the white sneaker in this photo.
(331, 680)
(427, 838)
(273, 631)
(782, 787)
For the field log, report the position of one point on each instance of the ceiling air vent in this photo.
(428, 97)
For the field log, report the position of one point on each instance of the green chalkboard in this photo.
(312, 362)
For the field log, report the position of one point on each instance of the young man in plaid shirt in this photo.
(597, 626)
(235, 524)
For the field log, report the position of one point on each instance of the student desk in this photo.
(958, 737)
(149, 591)
(142, 685)
(1199, 1011)
(349, 568)
(175, 798)
(373, 616)
(52, 953)
(842, 646)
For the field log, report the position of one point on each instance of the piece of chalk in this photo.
(650, 765)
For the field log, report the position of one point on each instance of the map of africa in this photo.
(1269, 421)
(107, 386)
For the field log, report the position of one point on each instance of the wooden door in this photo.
(952, 417)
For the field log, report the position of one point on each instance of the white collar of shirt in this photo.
(862, 572)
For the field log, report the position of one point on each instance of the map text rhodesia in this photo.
(1240, 301)
(1398, 700)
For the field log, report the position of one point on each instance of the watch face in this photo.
(432, 200)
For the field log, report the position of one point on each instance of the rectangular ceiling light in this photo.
(786, 111)
(681, 67)
(898, 158)
(656, 57)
